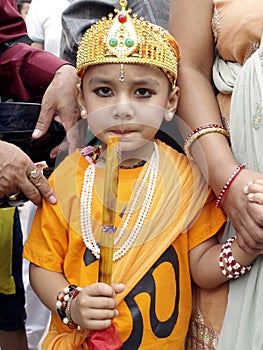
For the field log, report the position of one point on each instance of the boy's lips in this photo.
(123, 132)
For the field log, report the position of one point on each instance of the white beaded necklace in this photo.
(86, 202)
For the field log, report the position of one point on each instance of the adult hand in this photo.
(246, 217)
(59, 102)
(15, 170)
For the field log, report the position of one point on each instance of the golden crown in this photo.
(128, 39)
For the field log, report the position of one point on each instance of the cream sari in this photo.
(243, 323)
(237, 74)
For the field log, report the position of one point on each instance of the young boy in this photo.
(128, 71)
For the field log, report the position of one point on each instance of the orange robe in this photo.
(155, 308)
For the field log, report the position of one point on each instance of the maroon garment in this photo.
(12, 24)
(25, 72)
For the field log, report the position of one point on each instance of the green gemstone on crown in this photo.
(113, 42)
(129, 42)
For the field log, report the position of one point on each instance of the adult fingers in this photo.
(247, 229)
(47, 112)
(17, 172)
(59, 100)
(38, 186)
(60, 103)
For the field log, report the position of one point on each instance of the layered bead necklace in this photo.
(149, 180)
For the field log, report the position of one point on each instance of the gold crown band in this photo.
(127, 39)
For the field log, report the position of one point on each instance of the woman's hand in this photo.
(95, 306)
(245, 215)
(254, 191)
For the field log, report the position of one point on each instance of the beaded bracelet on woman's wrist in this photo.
(228, 184)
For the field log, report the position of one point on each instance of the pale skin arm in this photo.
(204, 265)
(190, 23)
(92, 309)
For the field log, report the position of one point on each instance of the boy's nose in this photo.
(123, 111)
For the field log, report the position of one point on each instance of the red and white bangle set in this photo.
(227, 263)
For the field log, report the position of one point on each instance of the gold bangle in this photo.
(190, 140)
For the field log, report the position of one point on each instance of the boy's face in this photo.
(132, 109)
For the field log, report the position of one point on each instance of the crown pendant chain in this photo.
(86, 204)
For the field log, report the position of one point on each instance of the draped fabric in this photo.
(237, 29)
(242, 327)
(7, 283)
(237, 75)
(12, 24)
(155, 307)
(25, 72)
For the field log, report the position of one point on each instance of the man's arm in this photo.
(28, 74)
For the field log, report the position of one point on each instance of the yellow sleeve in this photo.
(46, 245)
(207, 224)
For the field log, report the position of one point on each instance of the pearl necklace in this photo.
(86, 203)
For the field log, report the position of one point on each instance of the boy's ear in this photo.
(171, 105)
(80, 97)
(173, 100)
(81, 102)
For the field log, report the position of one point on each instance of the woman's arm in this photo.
(190, 23)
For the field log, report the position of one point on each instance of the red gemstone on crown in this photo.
(122, 18)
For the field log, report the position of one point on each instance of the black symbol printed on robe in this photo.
(147, 285)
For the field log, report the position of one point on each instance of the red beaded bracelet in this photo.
(227, 185)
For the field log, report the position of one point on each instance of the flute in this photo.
(109, 210)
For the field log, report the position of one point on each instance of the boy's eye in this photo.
(103, 91)
(142, 92)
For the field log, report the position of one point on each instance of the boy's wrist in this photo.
(64, 303)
